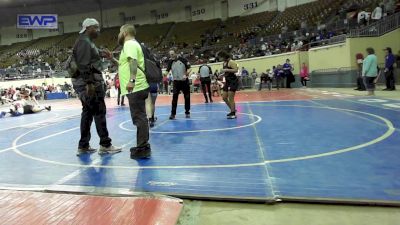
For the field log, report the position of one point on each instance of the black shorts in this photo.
(153, 87)
(205, 80)
(266, 79)
(231, 85)
(28, 109)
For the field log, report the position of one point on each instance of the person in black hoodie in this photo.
(90, 87)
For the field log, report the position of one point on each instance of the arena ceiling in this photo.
(10, 8)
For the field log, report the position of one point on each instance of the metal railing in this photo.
(333, 40)
(378, 28)
(334, 70)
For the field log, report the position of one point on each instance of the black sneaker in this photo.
(206, 101)
(232, 116)
(88, 150)
(187, 116)
(141, 153)
(172, 117)
(48, 108)
(151, 122)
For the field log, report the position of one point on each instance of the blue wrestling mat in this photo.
(334, 150)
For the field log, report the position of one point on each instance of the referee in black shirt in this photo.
(179, 67)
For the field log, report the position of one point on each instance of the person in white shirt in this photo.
(363, 17)
(25, 103)
(263, 47)
(193, 77)
(205, 79)
(377, 13)
(299, 44)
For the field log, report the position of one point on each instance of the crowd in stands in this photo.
(40, 92)
(29, 53)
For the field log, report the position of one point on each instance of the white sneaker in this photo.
(109, 150)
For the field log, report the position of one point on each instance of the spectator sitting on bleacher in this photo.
(279, 75)
(245, 73)
(363, 17)
(254, 74)
(196, 83)
(193, 77)
(266, 78)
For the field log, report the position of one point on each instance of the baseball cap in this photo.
(88, 22)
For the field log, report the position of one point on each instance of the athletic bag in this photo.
(152, 66)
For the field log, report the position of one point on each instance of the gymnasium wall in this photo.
(261, 64)
(329, 57)
(283, 4)
(11, 35)
(343, 55)
(44, 33)
(359, 45)
(247, 7)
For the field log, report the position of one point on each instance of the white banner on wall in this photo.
(37, 21)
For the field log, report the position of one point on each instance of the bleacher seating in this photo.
(239, 24)
(108, 38)
(152, 34)
(9, 55)
(46, 43)
(311, 13)
(191, 32)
